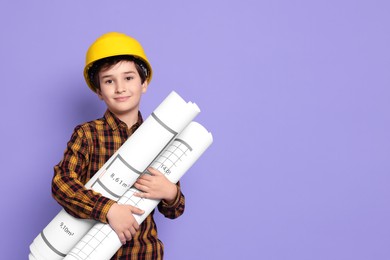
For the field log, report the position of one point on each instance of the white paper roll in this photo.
(101, 242)
(118, 174)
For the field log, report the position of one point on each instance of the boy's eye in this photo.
(129, 78)
(109, 81)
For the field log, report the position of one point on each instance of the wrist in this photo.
(172, 194)
(101, 209)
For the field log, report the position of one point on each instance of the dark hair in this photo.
(108, 62)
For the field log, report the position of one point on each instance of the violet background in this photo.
(295, 92)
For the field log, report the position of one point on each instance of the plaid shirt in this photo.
(90, 146)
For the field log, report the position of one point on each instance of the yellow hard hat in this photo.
(114, 44)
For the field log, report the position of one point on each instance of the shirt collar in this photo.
(115, 122)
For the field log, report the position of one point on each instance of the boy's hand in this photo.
(122, 221)
(155, 186)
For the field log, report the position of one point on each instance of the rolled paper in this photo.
(118, 174)
(101, 242)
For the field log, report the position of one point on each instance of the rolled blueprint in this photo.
(118, 174)
(101, 242)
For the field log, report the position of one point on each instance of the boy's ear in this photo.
(99, 94)
(144, 86)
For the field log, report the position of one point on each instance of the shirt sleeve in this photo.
(69, 178)
(174, 209)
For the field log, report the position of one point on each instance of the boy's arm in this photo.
(175, 208)
(69, 178)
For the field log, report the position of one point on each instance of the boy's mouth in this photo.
(121, 99)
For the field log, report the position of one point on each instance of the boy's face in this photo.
(121, 88)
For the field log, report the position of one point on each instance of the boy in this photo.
(118, 71)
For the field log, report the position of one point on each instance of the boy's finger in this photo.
(153, 171)
(137, 211)
(122, 238)
(128, 235)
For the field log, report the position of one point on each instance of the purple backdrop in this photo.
(296, 94)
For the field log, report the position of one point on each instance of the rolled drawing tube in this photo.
(118, 174)
(101, 242)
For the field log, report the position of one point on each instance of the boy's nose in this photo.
(120, 87)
